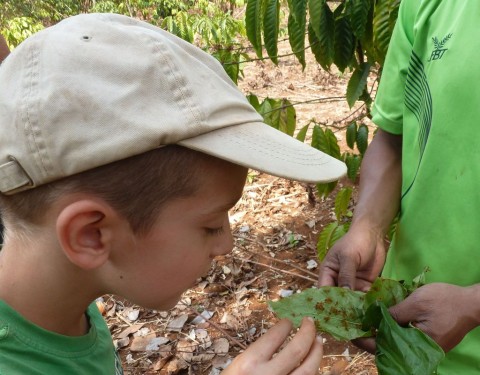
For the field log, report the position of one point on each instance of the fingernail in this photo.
(320, 339)
(311, 319)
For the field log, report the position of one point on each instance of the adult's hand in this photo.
(444, 312)
(302, 355)
(355, 261)
(357, 258)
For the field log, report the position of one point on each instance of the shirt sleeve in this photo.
(387, 111)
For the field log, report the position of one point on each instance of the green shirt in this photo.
(28, 349)
(428, 94)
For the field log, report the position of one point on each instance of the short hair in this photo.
(136, 187)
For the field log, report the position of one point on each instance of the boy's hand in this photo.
(302, 355)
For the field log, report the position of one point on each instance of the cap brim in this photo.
(263, 148)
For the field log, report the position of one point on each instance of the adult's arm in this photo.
(358, 257)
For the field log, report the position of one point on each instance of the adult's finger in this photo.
(298, 348)
(403, 313)
(347, 272)
(368, 344)
(327, 277)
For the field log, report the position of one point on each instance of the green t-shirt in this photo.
(28, 349)
(427, 93)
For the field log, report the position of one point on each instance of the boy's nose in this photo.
(225, 244)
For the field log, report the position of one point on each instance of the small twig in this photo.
(125, 320)
(253, 187)
(270, 258)
(280, 197)
(215, 325)
(279, 270)
(269, 57)
(357, 358)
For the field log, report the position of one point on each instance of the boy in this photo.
(122, 150)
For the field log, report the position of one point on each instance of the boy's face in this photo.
(187, 235)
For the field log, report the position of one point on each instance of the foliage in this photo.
(208, 24)
(346, 315)
(278, 113)
(338, 228)
(210, 28)
(20, 28)
(353, 34)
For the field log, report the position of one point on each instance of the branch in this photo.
(279, 270)
(267, 58)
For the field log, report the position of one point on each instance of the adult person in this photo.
(423, 165)
(4, 50)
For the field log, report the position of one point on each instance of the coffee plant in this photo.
(346, 315)
(351, 36)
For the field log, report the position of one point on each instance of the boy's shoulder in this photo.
(28, 349)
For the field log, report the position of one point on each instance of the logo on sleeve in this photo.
(439, 50)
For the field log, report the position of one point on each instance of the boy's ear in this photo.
(85, 230)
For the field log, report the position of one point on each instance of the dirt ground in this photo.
(275, 227)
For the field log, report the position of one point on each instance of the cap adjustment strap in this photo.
(13, 178)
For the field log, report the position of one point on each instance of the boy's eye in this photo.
(214, 231)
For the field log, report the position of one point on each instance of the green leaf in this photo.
(357, 83)
(366, 98)
(271, 23)
(323, 190)
(298, 9)
(296, 34)
(336, 311)
(358, 12)
(283, 116)
(342, 200)
(328, 236)
(362, 138)
(385, 15)
(347, 315)
(405, 351)
(417, 282)
(302, 133)
(326, 141)
(230, 62)
(353, 165)
(321, 32)
(315, 8)
(388, 291)
(344, 43)
(253, 100)
(351, 135)
(253, 21)
(372, 318)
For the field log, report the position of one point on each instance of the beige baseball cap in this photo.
(97, 88)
